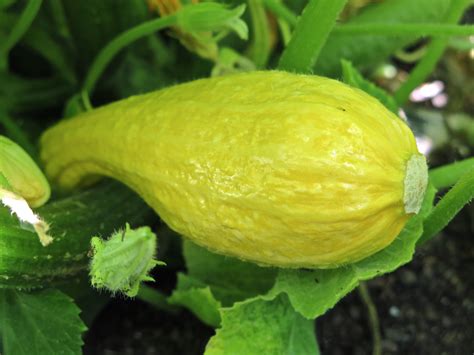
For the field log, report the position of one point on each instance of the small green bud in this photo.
(122, 262)
(212, 17)
(230, 61)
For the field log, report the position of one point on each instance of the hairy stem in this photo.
(260, 47)
(281, 11)
(18, 30)
(156, 298)
(447, 175)
(451, 203)
(373, 319)
(398, 29)
(113, 47)
(310, 35)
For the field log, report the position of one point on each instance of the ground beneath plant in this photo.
(426, 307)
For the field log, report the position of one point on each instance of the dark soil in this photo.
(425, 307)
(132, 327)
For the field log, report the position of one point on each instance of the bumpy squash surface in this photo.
(271, 167)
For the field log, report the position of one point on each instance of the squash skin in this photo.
(276, 168)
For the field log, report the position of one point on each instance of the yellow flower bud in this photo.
(22, 184)
(22, 174)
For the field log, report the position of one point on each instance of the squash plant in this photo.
(297, 187)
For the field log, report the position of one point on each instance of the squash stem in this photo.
(461, 194)
(110, 50)
(310, 35)
(156, 298)
(373, 319)
(447, 175)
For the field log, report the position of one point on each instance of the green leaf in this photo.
(367, 51)
(198, 298)
(214, 280)
(354, 78)
(43, 322)
(257, 326)
(230, 279)
(313, 292)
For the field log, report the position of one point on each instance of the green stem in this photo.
(434, 52)
(447, 175)
(19, 29)
(260, 47)
(113, 47)
(373, 319)
(399, 29)
(59, 17)
(285, 31)
(281, 11)
(410, 56)
(156, 298)
(451, 203)
(310, 35)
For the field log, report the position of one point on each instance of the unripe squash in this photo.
(276, 168)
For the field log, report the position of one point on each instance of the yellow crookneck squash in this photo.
(271, 167)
